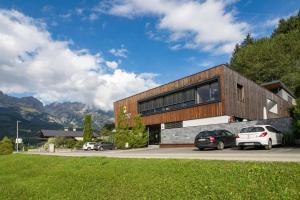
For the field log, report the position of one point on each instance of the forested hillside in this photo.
(276, 57)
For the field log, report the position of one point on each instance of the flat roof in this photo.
(277, 84)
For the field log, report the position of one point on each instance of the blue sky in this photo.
(147, 37)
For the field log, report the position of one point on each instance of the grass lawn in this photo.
(49, 177)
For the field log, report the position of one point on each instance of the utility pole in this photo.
(17, 140)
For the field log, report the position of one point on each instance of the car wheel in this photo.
(269, 146)
(201, 149)
(89, 148)
(240, 147)
(101, 148)
(220, 145)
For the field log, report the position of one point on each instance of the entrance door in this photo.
(154, 134)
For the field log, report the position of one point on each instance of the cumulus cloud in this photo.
(206, 25)
(121, 52)
(32, 61)
(112, 64)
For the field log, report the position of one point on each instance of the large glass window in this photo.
(203, 94)
(214, 91)
(181, 99)
(208, 92)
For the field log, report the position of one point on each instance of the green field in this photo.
(49, 177)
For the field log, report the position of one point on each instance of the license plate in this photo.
(249, 143)
(201, 139)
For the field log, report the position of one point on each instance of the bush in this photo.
(6, 146)
(289, 139)
(70, 143)
(79, 144)
(295, 114)
(60, 141)
(138, 135)
(121, 138)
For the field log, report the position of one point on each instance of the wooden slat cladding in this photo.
(200, 111)
(255, 98)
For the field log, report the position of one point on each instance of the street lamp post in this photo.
(18, 135)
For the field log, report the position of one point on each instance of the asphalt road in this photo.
(281, 154)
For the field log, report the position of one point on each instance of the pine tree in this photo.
(247, 41)
(87, 131)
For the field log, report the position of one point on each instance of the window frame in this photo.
(183, 104)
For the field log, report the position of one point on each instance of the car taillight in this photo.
(263, 134)
(212, 139)
(237, 136)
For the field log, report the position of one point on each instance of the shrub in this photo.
(60, 141)
(138, 136)
(295, 114)
(6, 146)
(121, 138)
(79, 144)
(70, 143)
(289, 139)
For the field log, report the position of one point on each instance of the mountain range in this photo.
(35, 116)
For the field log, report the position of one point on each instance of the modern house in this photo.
(214, 96)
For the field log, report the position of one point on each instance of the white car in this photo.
(88, 146)
(259, 135)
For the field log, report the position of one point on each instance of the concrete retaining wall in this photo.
(187, 135)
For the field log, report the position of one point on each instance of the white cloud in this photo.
(31, 61)
(205, 25)
(271, 22)
(121, 52)
(112, 64)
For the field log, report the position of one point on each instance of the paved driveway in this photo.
(289, 154)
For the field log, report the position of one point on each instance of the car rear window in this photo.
(207, 133)
(252, 129)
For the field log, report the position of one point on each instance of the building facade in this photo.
(214, 96)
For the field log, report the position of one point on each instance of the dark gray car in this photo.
(215, 139)
(100, 146)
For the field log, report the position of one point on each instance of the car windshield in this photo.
(252, 129)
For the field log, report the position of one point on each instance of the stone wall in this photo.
(187, 135)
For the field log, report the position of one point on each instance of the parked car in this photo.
(262, 135)
(214, 139)
(100, 146)
(88, 146)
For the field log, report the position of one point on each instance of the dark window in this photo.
(159, 103)
(214, 91)
(240, 92)
(203, 94)
(170, 125)
(206, 134)
(252, 129)
(270, 128)
(184, 98)
(208, 92)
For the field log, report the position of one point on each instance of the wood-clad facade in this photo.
(195, 112)
(238, 97)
